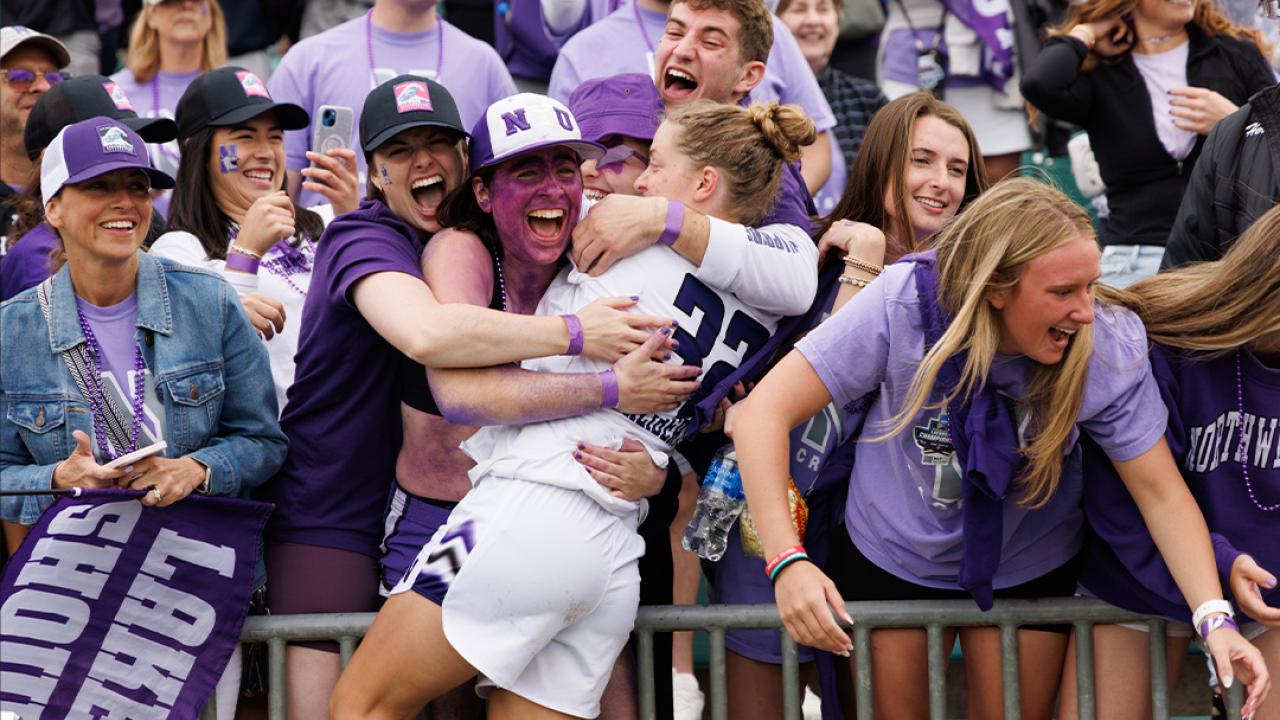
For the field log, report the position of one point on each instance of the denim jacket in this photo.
(210, 371)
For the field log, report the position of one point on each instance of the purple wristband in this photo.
(576, 340)
(242, 263)
(608, 389)
(675, 218)
(1216, 622)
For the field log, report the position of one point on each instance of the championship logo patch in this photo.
(252, 85)
(116, 93)
(934, 440)
(114, 140)
(412, 95)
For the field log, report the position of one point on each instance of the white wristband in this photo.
(1211, 607)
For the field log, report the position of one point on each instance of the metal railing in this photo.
(934, 616)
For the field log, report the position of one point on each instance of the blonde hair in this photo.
(986, 248)
(1207, 17)
(1216, 306)
(143, 59)
(748, 145)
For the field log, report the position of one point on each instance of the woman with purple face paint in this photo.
(1216, 359)
(367, 313)
(478, 599)
(230, 213)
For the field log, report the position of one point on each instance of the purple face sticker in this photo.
(228, 160)
(386, 177)
(536, 198)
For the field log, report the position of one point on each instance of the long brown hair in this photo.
(882, 164)
(986, 248)
(1216, 306)
(143, 59)
(1208, 18)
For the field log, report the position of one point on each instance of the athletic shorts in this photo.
(315, 579)
(410, 523)
(857, 578)
(539, 587)
(740, 579)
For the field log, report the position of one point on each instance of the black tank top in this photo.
(411, 378)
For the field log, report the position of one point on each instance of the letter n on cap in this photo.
(515, 121)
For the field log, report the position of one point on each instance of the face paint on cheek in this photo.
(228, 159)
(386, 177)
(513, 202)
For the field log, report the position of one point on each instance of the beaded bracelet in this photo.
(576, 338)
(609, 394)
(859, 264)
(850, 280)
(245, 251)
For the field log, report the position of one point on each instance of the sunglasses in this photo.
(614, 157)
(21, 78)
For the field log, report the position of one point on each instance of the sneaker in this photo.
(811, 708)
(687, 697)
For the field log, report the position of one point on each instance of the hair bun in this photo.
(785, 127)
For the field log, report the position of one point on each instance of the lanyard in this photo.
(368, 39)
(635, 4)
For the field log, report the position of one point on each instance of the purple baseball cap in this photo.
(94, 147)
(521, 123)
(627, 105)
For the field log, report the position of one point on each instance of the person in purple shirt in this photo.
(1216, 359)
(30, 261)
(949, 495)
(172, 42)
(342, 64)
(367, 308)
(630, 40)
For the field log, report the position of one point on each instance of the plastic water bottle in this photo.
(720, 502)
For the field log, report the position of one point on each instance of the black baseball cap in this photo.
(83, 97)
(403, 102)
(229, 96)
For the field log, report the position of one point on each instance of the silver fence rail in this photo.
(933, 616)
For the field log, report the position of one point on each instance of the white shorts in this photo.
(539, 587)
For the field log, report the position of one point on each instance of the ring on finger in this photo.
(155, 491)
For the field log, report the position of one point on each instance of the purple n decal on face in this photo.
(515, 121)
(228, 159)
(565, 119)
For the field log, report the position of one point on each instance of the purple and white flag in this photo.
(112, 609)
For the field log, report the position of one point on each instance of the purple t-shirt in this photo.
(343, 411)
(904, 505)
(1122, 565)
(333, 68)
(617, 44)
(158, 98)
(115, 328)
(28, 262)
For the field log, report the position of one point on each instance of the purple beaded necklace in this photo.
(290, 260)
(1242, 448)
(97, 393)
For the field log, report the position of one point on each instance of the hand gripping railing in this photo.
(933, 616)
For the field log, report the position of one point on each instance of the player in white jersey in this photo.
(532, 583)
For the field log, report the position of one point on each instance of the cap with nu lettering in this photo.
(522, 123)
(84, 150)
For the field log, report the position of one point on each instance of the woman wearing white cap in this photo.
(532, 582)
(119, 350)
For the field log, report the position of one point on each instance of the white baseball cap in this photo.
(521, 123)
(14, 35)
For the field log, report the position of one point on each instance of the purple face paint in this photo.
(228, 159)
(386, 177)
(536, 200)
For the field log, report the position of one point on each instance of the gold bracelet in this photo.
(862, 265)
(850, 280)
(245, 251)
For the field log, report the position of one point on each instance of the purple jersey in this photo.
(339, 67)
(904, 505)
(1122, 565)
(343, 412)
(618, 44)
(28, 262)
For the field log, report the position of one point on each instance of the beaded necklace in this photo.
(502, 283)
(290, 260)
(97, 393)
(1242, 447)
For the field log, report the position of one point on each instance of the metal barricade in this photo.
(933, 616)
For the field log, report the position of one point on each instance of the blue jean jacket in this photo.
(209, 367)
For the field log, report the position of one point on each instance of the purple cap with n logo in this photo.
(94, 147)
(521, 123)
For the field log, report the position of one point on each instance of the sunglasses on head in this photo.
(614, 157)
(22, 78)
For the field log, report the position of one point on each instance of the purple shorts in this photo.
(411, 521)
(315, 579)
(740, 579)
